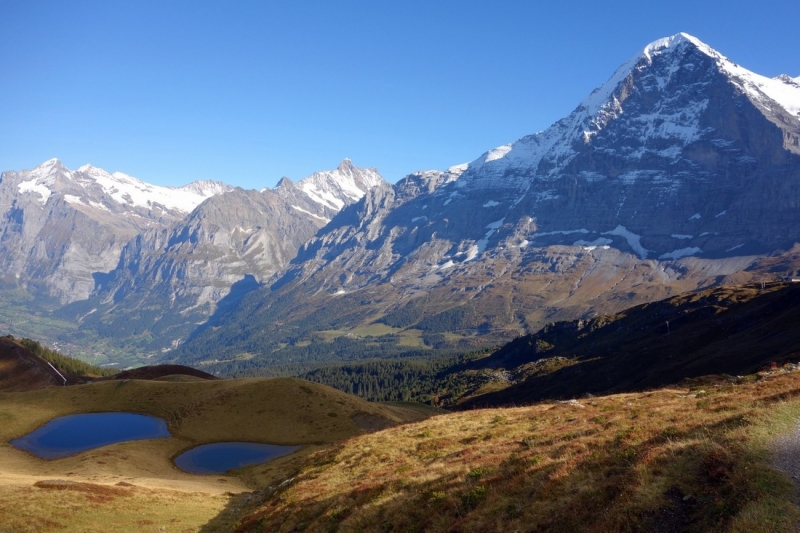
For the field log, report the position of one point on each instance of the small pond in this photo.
(68, 435)
(220, 457)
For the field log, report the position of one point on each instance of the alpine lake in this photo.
(73, 434)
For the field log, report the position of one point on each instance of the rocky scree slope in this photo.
(677, 173)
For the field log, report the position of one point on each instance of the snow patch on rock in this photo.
(480, 245)
(326, 220)
(634, 240)
(37, 187)
(683, 252)
(600, 241)
(497, 153)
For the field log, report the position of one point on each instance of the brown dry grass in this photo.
(97, 508)
(667, 460)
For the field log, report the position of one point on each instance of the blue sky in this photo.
(246, 92)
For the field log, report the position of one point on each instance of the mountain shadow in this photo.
(227, 304)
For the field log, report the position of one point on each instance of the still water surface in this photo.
(223, 456)
(68, 435)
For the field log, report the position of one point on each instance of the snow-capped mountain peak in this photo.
(206, 188)
(41, 180)
(783, 90)
(92, 186)
(604, 98)
(673, 42)
(674, 72)
(336, 188)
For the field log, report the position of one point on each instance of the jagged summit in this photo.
(782, 89)
(603, 96)
(345, 164)
(336, 188)
(205, 188)
(675, 41)
(53, 161)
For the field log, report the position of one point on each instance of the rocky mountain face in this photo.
(678, 173)
(59, 227)
(169, 280)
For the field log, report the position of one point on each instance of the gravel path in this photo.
(786, 455)
(786, 458)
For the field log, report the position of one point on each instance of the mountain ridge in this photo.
(170, 280)
(731, 330)
(677, 173)
(59, 227)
